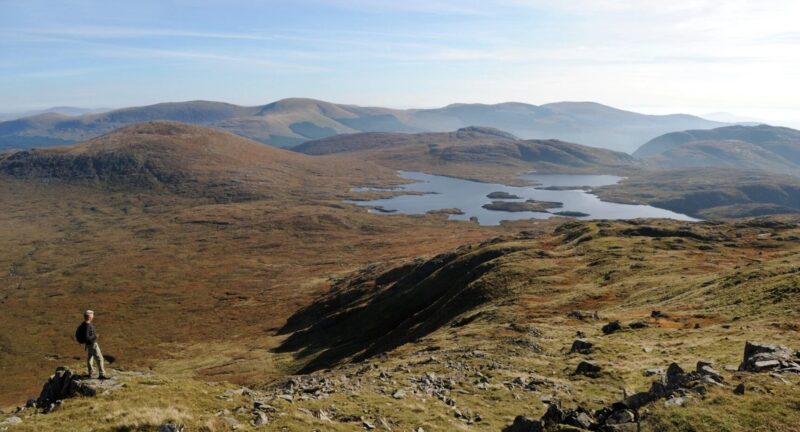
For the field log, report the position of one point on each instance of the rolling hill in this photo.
(709, 193)
(472, 152)
(769, 148)
(296, 120)
(175, 157)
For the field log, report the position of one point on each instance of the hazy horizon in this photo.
(691, 56)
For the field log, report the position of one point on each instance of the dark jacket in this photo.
(87, 329)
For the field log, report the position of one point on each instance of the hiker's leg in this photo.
(90, 360)
(99, 355)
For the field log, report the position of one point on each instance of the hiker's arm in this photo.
(91, 336)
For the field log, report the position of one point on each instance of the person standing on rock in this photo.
(86, 335)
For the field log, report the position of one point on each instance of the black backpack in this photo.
(80, 334)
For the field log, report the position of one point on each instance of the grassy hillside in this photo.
(469, 339)
(223, 241)
(176, 157)
(710, 192)
(493, 318)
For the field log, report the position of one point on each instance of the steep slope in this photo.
(761, 147)
(296, 120)
(474, 152)
(487, 331)
(175, 157)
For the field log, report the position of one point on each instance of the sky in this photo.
(693, 56)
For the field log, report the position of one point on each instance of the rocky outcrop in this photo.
(589, 369)
(675, 386)
(64, 384)
(760, 357)
(611, 327)
(581, 346)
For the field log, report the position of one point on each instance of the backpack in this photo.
(80, 334)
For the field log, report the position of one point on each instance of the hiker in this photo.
(86, 335)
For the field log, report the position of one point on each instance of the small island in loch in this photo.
(527, 206)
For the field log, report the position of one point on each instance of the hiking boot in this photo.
(103, 377)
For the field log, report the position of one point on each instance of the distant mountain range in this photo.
(763, 147)
(293, 121)
(64, 110)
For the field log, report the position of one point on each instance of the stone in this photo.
(171, 427)
(638, 400)
(588, 368)
(580, 419)
(705, 369)
(11, 421)
(611, 327)
(739, 390)
(399, 394)
(260, 419)
(581, 315)
(524, 424)
(554, 414)
(59, 386)
(653, 371)
(638, 324)
(581, 346)
(621, 416)
(676, 401)
(367, 425)
(760, 357)
(675, 375)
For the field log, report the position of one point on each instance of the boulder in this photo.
(760, 357)
(61, 385)
(581, 346)
(171, 427)
(580, 418)
(621, 416)
(588, 368)
(554, 414)
(639, 324)
(705, 369)
(260, 419)
(675, 375)
(11, 421)
(739, 390)
(611, 327)
(524, 424)
(638, 400)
